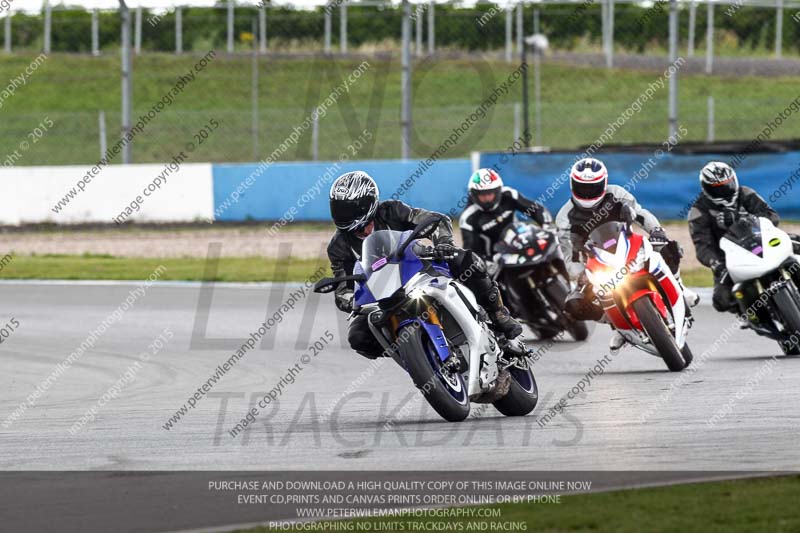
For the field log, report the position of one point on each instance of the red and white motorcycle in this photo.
(639, 294)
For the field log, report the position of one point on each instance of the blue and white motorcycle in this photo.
(432, 326)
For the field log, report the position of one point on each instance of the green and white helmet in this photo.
(485, 188)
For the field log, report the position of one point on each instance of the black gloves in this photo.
(444, 251)
(726, 218)
(658, 236)
(719, 269)
(344, 301)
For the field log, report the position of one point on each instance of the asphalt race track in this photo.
(604, 429)
(634, 416)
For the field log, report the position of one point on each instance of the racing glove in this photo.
(658, 236)
(444, 251)
(726, 218)
(719, 269)
(344, 301)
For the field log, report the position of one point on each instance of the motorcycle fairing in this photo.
(743, 264)
(434, 332)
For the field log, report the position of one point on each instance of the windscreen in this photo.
(745, 231)
(377, 247)
(606, 236)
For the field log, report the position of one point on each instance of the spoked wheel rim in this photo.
(522, 375)
(452, 381)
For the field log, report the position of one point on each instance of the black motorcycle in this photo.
(532, 276)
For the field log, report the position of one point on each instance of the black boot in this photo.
(503, 322)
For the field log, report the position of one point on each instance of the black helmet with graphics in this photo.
(354, 200)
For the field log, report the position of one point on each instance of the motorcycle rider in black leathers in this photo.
(357, 212)
(492, 208)
(593, 203)
(716, 209)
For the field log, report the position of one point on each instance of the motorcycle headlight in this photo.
(606, 278)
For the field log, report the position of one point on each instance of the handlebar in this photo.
(427, 252)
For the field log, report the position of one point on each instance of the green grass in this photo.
(71, 89)
(697, 277)
(743, 506)
(103, 267)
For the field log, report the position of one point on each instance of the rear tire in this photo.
(450, 400)
(659, 334)
(523, 393)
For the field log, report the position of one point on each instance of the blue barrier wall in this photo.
(284, 185)
(667, 189)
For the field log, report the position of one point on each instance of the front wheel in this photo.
(786, 303)
(523, 393)
(444, 390)
(787, 307)
(659, 334)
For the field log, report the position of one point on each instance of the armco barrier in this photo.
(666, 189)
(305, 187)
(28, 194)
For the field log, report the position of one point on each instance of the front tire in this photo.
(688, 356)
(446, 392)
(523, 393)
(787, 307)
(659, 334)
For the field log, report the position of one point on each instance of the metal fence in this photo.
(268, 71)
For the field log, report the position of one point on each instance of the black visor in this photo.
(723, 192)
(589, 191)
(346, 212)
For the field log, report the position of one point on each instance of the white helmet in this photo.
(485, 188)
(588, 182)
(719, 183)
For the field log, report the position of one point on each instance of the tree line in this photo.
(482, 27)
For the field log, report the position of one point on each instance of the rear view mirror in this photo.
(428, 228)
(424, 229)
(326, 285)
